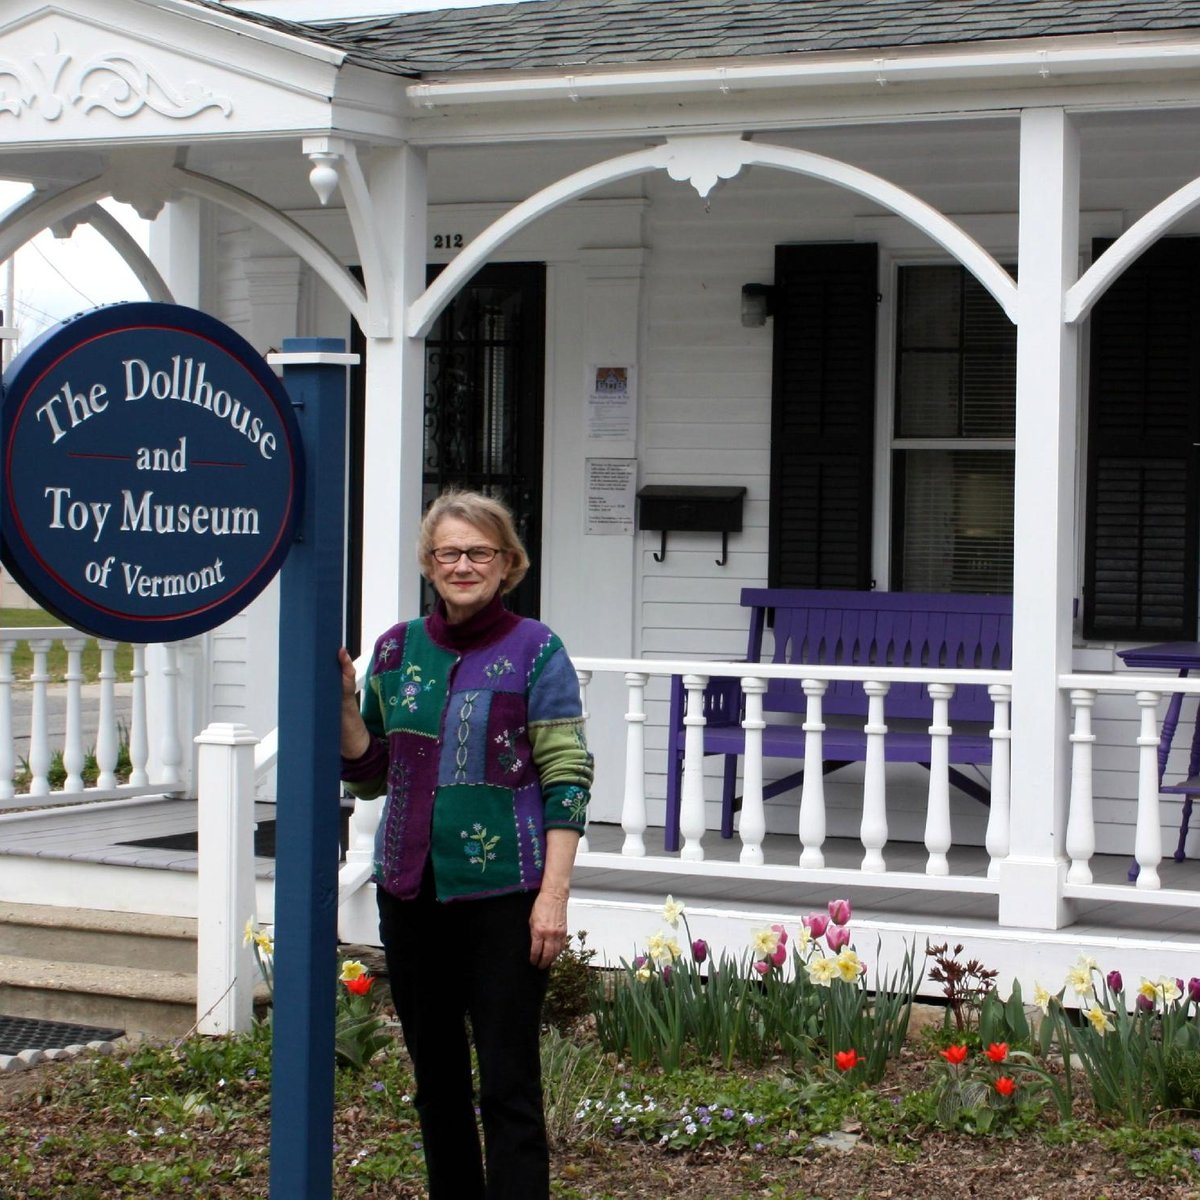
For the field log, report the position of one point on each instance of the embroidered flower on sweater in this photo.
(414, 687)
(502, 666)
(575, 802)
(508, 758)
(387, 649)
(478, 847)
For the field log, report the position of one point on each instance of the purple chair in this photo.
(818, 626)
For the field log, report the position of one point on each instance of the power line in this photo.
(42, 255)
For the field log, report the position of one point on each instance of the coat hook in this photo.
(663, 553)
(724, 549)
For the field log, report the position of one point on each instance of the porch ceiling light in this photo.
(758, 303)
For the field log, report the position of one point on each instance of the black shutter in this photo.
(823, 416)
(1140, 564)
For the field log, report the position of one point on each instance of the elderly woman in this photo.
(471, 724)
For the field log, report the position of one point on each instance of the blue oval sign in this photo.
(152, 472)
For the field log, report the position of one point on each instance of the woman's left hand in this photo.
(547, 927)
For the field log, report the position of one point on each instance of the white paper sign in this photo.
(612, 403)
(611, 495)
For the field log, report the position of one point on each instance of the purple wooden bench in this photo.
(900, 629)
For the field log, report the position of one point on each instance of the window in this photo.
(952, 447)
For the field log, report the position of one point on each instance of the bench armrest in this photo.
(722, 702)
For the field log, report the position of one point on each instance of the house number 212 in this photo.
(447, 241)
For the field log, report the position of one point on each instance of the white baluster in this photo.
(996, 840)
(139, 746)
(812, 793)
(8, 760)
(106, 728)
(1081, 824)
(874, 828)
(752, 827)
(170, 748)
(39, 746)
(633, 805)
(585, 677)
(691, 802)
(937, 816)
(73, 738)
(1147, 842)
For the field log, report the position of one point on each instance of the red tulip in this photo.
(1005, 1086)
(998, 1051)
(954, 1055)
(846, 1060)
(360, 986)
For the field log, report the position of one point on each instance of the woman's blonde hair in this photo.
(489, 516)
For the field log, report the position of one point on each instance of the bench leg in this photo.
(674, 782)
(727, 805)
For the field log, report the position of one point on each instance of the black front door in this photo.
(484, 393)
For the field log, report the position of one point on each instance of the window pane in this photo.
(929, 395)
(956, 513)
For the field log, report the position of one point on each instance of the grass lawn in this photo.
(22, 668)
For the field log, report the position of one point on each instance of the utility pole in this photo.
(8, 316)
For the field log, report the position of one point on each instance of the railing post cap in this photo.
(226, 733)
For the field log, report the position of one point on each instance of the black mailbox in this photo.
(691, 509)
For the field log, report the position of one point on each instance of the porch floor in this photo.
(101, 833)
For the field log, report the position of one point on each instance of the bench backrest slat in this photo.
(902, 629)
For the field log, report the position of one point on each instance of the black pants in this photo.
(448, 962)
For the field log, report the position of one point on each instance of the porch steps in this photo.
(119, 970)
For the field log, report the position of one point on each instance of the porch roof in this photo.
(543, 34)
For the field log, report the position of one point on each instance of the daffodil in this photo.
(848, 966)
(662, 948)
(352, 969)
(1169, 989)
(672, 911)
(1041, 997)
(1079, 977)
(1099, 1019)
(764, 942)
(1148, 989)
(822, 971)
(644, 973)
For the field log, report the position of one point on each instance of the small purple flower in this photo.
(700, 950)
(728, 1114)
(839, 912)
(378, 1086)
(1115, 982)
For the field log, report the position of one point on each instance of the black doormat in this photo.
(25, 1033)
(264, 841)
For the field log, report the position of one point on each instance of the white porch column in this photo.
(1032, 876)
(394, 428)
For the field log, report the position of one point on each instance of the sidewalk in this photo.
(56, 713)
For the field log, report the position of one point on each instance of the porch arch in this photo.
(703, 160)
(1102, 274)
(37, 212)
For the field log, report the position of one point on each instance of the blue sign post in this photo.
(307, 826)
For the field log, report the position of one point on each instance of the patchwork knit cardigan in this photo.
(477, 741)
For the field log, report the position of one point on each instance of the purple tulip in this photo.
(1193, 990)
(699, 950)
(839, 912)
(1144, 1003)
(838, 937)
(640, 962)
(666, 973)
(816, 924)
(1179, 985)
(1115, 982)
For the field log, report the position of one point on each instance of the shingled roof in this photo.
(588, 33)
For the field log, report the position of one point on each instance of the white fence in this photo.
(27, 706)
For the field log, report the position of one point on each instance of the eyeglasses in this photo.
(449, 555)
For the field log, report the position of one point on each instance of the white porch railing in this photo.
(33, 702)
(1146, 691)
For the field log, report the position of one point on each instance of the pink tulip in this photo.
(839, 912)
(780, 954)
(838, 937)
(816, 924)
(779, 929)
(762, 966)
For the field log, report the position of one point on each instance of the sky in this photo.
(55, 278)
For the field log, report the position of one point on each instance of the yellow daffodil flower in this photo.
(822, 971)
(848, 966)
(1079, 977)
(672, 911)
(1099, 1019)
(764, 942)
(1041, 997)
(352, 969)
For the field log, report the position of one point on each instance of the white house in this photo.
(975, 233)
